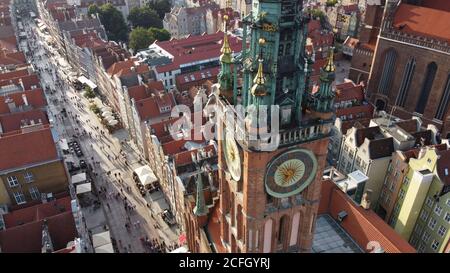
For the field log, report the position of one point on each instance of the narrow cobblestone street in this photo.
(112, 157)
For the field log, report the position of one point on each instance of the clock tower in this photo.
(272, 153)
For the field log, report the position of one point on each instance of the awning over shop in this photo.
(86, 81)
(79, 178)
(83, 188)
(102, 242)
(63, 144)
(145, 175)
(180, 250)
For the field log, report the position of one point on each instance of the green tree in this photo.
(159, 34)
(144, 17)
(112, 19)
(93, 9)
(140, 38)
(161, 7)
(331, 3)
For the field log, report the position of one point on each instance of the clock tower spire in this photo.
(269, 194)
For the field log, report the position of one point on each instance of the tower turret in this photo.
(225, 76)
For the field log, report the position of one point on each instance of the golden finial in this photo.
(262, 41)
(226, 49)
(330, 63)
(258, 88)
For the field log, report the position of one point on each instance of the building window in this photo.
(406, 82)
(442, 230)
(429, 202)
(432, 223)
(424, 215)
(448, 202)
(388, 71)
(28, 177)
(418, 229)
(421, 248)
(438, 210)
(34, 192)
(426, 87)
(435, 245)
(406, 181)
(426, 237)
(447, 217)
(358, 161)
(12, 181)
(391, 188)
(20, 198)
(401, 195)
(445, 100)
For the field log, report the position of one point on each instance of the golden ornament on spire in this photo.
(259, 89)
(226, 49)
(330, 63)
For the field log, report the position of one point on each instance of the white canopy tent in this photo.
(109, 118)
(145, 175)
(63, 144)
(182, 249)
(86, 81)
(78, 178)
(113, 122)
(83, 188)
(106, 113)
(102, 242)
(106, 108)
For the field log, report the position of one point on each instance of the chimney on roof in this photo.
(11, 105)
(133, 68)
(365, 202)
(422, 152)
(25, 100)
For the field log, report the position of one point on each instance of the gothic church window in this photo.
(388, 71)
(444, 101)
(426, 87)
(406, 82)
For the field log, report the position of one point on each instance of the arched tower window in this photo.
(443, 104)
(388, 71)
(426, 87)
(406, 82)
(283, 229)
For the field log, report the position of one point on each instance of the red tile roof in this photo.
(349, 91)
(13, 122)
(28, 81)
(22, 149)
(362, 225)
(13, 74)
(61, 227)
(195, 48)
(124, 68)
(443, 166)
(437, 4)
(177, 146)
(423, 21)
(37, 212)
(213, 228)
(150, 107)
(16, 58)
(35, 98)
(197, 76)
(185, 157)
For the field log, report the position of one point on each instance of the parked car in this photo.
(83, 164)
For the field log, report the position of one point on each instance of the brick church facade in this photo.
(410, 73)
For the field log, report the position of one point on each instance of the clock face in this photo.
(232, 156)
(290, 173)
